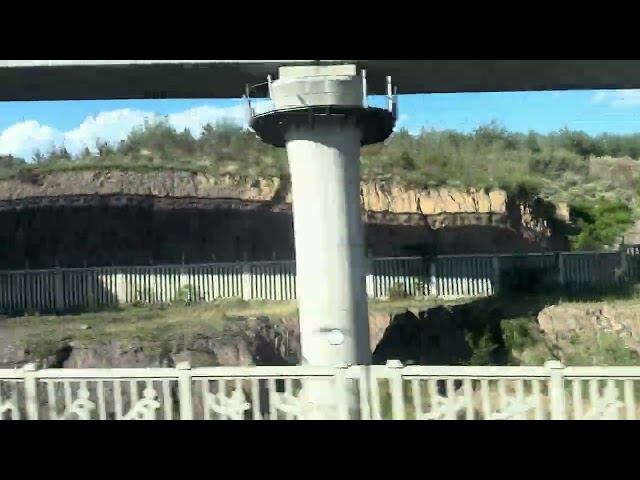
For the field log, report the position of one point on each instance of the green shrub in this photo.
(602, 223)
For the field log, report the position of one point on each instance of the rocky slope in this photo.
(122, 218)
(242, 341)
(449, 334)
(375, 197)
(613, 331)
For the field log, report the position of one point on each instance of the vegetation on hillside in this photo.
(601, 222)
(598, 176)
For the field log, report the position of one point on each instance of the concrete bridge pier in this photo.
(322, 118)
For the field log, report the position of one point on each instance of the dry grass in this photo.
(149, 324)
(154, 323)
(130, 318)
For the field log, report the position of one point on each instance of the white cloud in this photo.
(618, 98)
(24, 138)
(110, 126)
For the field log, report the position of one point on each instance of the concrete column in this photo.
(331, 266)
(330, 254)
(320, 115)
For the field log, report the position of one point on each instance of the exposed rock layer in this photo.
(103, 218)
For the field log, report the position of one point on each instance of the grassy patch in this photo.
(147, 324)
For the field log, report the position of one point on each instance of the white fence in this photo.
(445, 277)
(276, 393)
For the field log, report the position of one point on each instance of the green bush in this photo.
(602, 223)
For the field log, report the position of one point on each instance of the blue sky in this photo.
(26, 126)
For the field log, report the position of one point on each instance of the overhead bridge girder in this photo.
(138, 79)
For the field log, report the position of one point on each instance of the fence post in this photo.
(247, 293)
(556, 390)
(624, 265)
(364, 380)
(495, 263)
(433, 277)
(184, 390)
(31, 391)
(562, 276)
(397, 391)
(341, 393)
(58, 282)
(371, 285)
(184, 277)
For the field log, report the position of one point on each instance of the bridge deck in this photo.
(135, 79)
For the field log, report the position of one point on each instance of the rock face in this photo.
(561, 320)
(159, 184)
(75, 219)
(376, 198)
(251, 341)
(565, 325)
(432, 202)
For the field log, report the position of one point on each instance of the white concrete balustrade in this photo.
(443, 277)
(393, 391)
